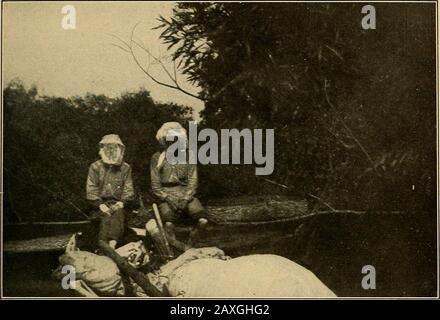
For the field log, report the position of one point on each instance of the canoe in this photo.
(237, 227)
(232, 226)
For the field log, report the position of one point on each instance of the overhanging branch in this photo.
(129, 48)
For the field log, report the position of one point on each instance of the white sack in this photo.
(247, 276)
(99, 272)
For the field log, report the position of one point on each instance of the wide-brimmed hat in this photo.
(166, 127)
(111, 138)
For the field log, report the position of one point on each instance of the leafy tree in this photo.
(353, 109)
(49, 143)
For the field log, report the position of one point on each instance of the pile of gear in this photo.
(113, 260)
(198, 272)
(99, 275)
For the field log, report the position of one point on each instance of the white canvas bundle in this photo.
(248, 276)
(98, 272)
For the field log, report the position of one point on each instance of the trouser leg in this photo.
(112, 227)
(195, 209)
(167, 214)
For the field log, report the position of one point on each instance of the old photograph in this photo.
(219, 150)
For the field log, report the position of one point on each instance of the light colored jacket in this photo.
(179, 180)
(105, 182)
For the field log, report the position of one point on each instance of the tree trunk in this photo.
(257, 211)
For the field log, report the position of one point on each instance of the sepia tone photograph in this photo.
(219, 150)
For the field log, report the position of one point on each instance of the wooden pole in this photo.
(161, 230)
(136, 275)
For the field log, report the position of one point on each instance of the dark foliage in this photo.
(353, 110)
(49, 143)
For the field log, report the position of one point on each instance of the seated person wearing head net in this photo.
(175, 185)
(110, 190)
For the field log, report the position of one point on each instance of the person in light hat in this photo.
(175, 185)
(109, 190)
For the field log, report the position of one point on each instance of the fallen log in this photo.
(136, 275)
(224, 216)
(265, 210)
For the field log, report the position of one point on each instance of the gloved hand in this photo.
(117, 206)
(103, 207)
